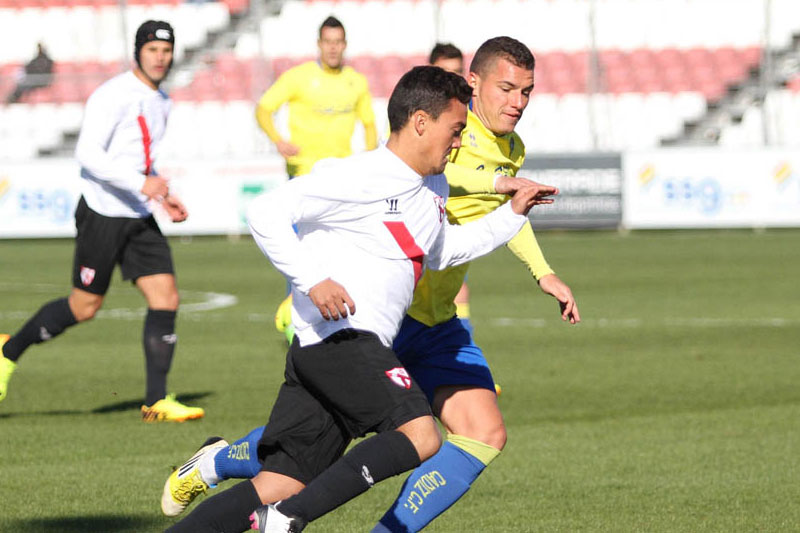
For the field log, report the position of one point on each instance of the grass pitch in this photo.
(673, 407)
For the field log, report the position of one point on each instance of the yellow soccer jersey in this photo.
(483, 151)
(323, 107)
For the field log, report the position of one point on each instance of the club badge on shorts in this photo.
(399, 377)
(87, 275)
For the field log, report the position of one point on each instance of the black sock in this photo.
(50, 321)
(159, 344)
(371, 461)
(226, 512)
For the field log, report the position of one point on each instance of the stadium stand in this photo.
(666, 67)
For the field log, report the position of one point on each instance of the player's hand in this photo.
(527, 197)
(552, 285)
(155, 187)
(332, 300)
(174, 207)
(509, 185)
(287, 149)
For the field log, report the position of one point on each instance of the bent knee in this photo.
(494, 436)
(429, 445)
(424, 435)
(85, 307)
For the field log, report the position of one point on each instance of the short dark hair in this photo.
(425, 88)
(446, 51)
(501, 48)
(330, 22)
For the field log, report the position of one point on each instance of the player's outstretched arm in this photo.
(510, 185)
(457, 245)
(552, 285)
(528, 196)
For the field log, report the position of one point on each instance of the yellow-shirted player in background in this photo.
(325, 97)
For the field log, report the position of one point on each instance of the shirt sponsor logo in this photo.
(392, 203)
(399, 377)
(87, 275)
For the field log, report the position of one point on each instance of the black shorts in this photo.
(137, 244)
(334, 391)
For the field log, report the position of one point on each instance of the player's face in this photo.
(331, 47)
(155, 60)
(450, 64)
(445, 135)
(501, 95)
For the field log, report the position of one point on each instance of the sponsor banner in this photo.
(708, 188)
(38, 199)
(590, 190)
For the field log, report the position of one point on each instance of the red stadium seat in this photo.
(751, 56)
(794, 84)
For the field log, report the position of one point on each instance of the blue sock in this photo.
(240, 459)
(431, 489)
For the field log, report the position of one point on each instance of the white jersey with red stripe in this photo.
(372, 224)
(123, 125)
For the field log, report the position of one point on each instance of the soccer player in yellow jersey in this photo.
(325, 98)
(433, 344)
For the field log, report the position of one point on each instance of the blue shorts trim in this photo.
(444, 354)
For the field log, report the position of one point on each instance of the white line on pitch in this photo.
(209, 302)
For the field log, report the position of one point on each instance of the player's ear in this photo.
(473, 79)
(420, 120)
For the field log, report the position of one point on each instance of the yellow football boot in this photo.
(170, 410)
(7, 367)
(185, 483)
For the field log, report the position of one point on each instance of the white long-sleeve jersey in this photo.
(123, 124)
(372, 224)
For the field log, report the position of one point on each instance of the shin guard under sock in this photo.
(159, 344)
(437, 484)
(371, 461)
(50, 321)
(240, 459)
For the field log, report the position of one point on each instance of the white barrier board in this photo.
(709, 188)
(38, 198)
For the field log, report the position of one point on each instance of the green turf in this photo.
(672, 407)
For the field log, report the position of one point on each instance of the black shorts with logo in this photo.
(334, 391)
(137, 244)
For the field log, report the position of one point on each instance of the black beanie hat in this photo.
(152, 30)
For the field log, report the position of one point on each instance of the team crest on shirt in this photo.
(399, 377)
(439, 206)
(472, 140)
(87, 275)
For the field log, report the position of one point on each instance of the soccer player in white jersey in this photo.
(124, 122)
(368, 226)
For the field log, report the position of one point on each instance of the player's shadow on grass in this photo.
(127, 405)
(85, 524)
(131, 405)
